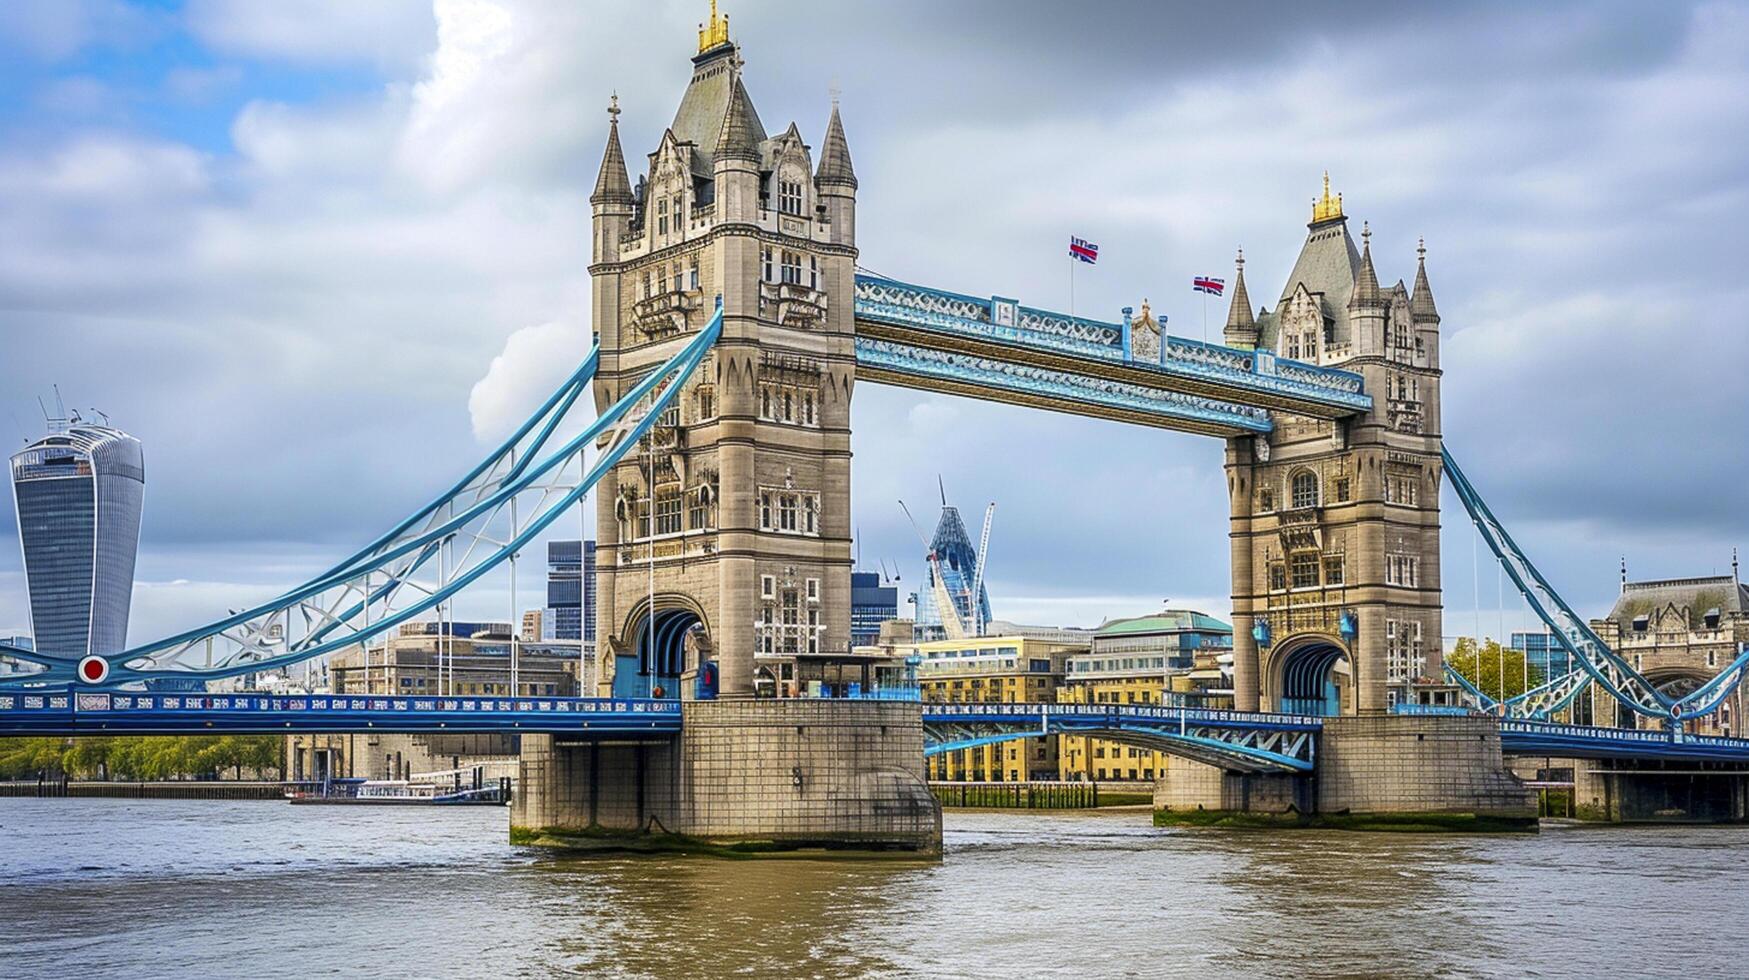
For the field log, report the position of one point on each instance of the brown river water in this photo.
(122, 888)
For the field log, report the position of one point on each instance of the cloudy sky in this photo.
(318, 254)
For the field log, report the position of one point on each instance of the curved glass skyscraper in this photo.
(958, 561)
(78, 492)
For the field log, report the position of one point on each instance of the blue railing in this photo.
(122, 712)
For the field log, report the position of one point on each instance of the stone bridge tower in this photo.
(734, 513)
(1335, 525)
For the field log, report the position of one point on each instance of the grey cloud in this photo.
(295, 329)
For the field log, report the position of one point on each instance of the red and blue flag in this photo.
(1084, 250)
(1208, 284)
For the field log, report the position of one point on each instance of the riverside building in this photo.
(1170, 657)
(995, 669)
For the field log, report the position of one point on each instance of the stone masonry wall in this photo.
(802, 771)
(1190, 785)
(597, 786)
(1417, 764)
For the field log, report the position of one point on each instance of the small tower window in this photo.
(662, 216)
(692, 282)
(1305, 490)
(789, 196)
(765, 262)
(792, 268)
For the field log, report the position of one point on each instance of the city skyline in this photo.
(243, 143)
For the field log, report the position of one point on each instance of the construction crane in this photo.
(950, 614)
(978, 623)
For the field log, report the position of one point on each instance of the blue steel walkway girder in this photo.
(86, 711)
(1589, 742)
(1232, 740)
(927, 338)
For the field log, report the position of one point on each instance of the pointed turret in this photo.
(1421, 304)
(612, 185)
(741, 132)
(835, 165)
(1366, 281)
(1241, 328)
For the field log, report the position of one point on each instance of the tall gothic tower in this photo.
(1335, 525)
(733, 515)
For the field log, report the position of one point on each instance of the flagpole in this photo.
(1072, 261)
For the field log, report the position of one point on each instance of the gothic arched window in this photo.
(1305, 490)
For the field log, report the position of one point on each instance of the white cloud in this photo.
(533, 363)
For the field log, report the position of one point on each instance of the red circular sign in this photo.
(94, 670)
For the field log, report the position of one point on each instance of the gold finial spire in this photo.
(713, 32)
(1327, 208)
(613, 108)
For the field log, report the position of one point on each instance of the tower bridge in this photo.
(732, 328)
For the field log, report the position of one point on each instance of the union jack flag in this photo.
(1208, 284)
(1084, 250)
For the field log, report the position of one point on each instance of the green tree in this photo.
(26, 758)
(1485, 669)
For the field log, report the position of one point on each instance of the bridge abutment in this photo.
(745, 774)
(1647, 790)
(1373, 772)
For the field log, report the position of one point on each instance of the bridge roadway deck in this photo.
(1246, 739)
(62, 712)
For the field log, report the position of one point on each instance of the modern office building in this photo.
(1543, 652)
(953, 559)
(79, 492)
(570, 591)
(872, 602)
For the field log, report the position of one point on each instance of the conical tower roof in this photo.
(612, 185)
(835, 165)
(1366, 281)
(699, 118)
(1239, 313)
(740, 134)
(1421, 304)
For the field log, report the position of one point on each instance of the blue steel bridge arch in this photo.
(1230, 740)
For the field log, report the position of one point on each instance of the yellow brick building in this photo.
(1171, 657)
(996, 670)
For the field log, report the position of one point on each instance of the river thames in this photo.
(116, 888)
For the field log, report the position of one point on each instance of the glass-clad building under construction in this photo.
(79, 492)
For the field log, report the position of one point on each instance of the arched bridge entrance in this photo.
(651, 666)
(1310, 675)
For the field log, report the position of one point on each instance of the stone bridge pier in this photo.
(1373, 771)
(746, 775)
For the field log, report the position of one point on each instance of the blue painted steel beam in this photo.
(110, 712)
(1003, 331)
(1015, 381)
(942, 713)
(1588, 742)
